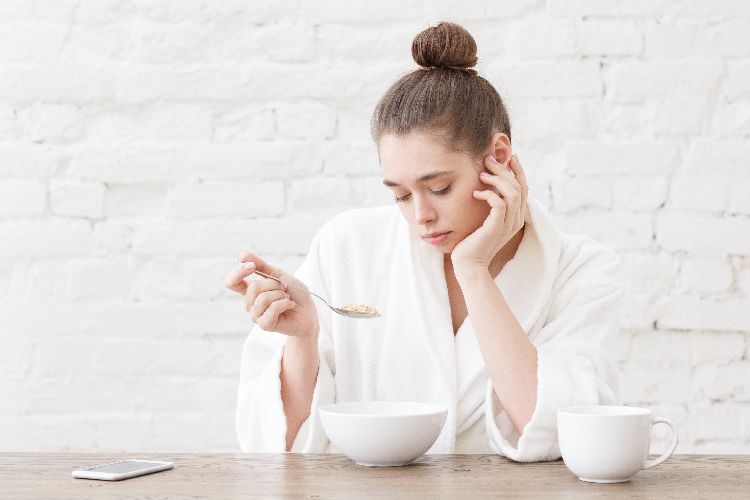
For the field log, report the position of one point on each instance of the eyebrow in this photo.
(424, 178)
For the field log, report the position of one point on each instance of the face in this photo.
(433, 188)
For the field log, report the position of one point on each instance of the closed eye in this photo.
(443, 191)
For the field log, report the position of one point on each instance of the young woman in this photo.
(486, 307)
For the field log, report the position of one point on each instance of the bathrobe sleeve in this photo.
(574, 367)
(260, 418)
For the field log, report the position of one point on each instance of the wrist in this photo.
(466, 273)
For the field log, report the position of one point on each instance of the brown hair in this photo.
(445, 95)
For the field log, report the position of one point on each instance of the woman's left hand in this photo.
(507, 200)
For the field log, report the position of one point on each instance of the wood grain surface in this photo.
(228, 476)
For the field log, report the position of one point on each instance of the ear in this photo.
(501, 149)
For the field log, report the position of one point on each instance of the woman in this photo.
(486, 307)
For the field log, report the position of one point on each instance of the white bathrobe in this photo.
(565, 291)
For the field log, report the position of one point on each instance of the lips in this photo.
(436, 238)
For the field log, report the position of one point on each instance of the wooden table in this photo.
(224, 476)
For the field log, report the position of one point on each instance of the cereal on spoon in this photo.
(361, 308)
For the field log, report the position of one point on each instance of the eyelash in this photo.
(406, 197)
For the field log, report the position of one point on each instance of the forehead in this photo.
(411, 156)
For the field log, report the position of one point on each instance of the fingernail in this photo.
(284, 285)
(249, 266)
(477, 192)
(294, 303)
(485, 174)
(492, 159)
(288, 296)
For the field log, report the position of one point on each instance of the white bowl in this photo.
(383, 433)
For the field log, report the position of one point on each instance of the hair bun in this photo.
(446, 45)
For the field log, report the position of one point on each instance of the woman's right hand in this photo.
(272, 305)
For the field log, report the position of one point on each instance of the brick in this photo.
(287, 42)
(730, 382)
(370, 192)
(545, 80)
(439, 10)
(355, 42)
(718, 236)
(610, 38)
(642, 81)
(719, 10)
(621, 121)
(725, 420)
(693, 349)
(688, 313)
(716, 347)
(73, 82)
(547, 124)
(66, 356)
(320, 195)
(305, 120)
(32, 42)
(638, 311)
(134, 200)
(679, 117)
(577, 193)
(348, 158)
(338, 11)
(244, 123)
(61, 238)
(17, 358)
(743, 276)
(164, 165)
(181, 123)
(737, 84)
(644, 384)
(54, 123)
(648, 273)
(9, 127)
(706, 275)
(725, 157)
(732, 119)
(210, 238)
(235, 199)
(37, 278)
(22, 197)
(172, 279)
(617, 230)
(542, 39)
(162, 44)
(704, 193)
(636, 193)
(662, 348)
(76, 198)
(621, 157)
(101, 279)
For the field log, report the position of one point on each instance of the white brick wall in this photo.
(144, 144)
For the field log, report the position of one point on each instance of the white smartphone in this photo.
(122, 470)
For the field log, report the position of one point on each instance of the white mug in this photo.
(608, 444)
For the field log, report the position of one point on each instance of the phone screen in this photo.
(123, 467)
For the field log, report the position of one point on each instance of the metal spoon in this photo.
(343, 312)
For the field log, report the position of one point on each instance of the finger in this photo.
(498, 206)
(235, 280)
(270, 317)
(511, 197)
(521, 178)
(491, 165)
(261, 265)
(520, 175)
(257, 287)
(502, 176)
(265, 299)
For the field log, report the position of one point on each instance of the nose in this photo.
(424, 212)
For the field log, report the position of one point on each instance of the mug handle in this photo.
(657, 461)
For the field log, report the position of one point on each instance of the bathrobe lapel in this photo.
(526, 282)
(430, 291)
